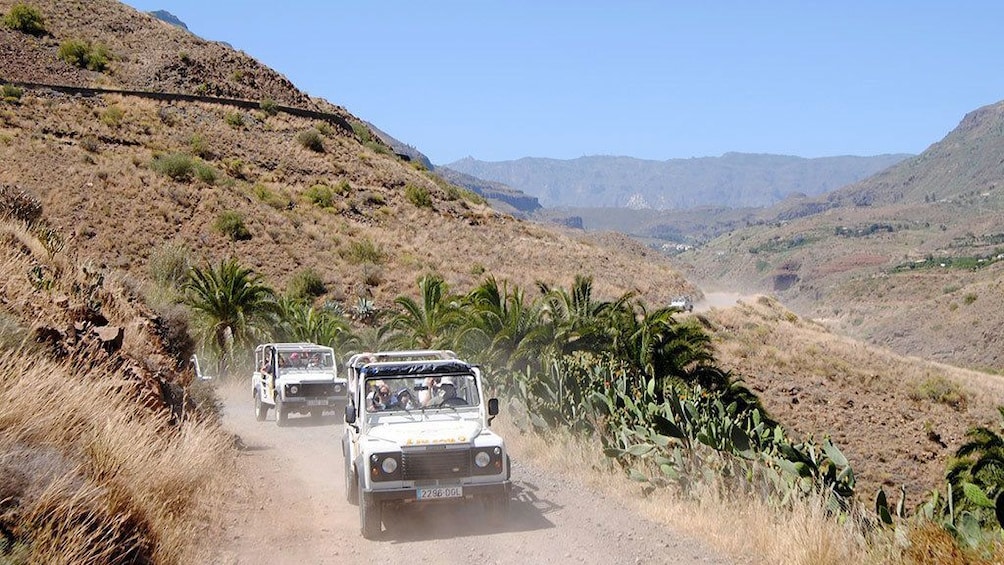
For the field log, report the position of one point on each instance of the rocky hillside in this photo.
(909, 258)
(342, 205)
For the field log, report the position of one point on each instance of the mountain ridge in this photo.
(735, 180)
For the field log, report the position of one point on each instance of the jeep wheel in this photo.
(260, 408)
(280, 413)
(369, 515)
(351, 489)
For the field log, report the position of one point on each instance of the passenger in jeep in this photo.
(406, 400)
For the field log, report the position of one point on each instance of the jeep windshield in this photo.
(319, 360)
(426, 392)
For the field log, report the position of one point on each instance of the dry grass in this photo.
(124, 482)
(94, 471)
(747, 529)
(738, 527)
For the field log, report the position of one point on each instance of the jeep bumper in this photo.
(471, 491)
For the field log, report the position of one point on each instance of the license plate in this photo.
(429, 493)
(316, 402)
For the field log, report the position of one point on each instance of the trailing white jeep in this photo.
(417, 432)
(682, 303)
(295, 378)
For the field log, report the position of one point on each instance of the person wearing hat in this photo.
(406, 400)
(448, 393)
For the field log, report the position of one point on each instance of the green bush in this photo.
(84, 55)
(11, 93)
(25, 18)
(321, 195)
(178, 166)
(204, 172)
(169, 265)
(311, 139)
(74, 52)
(418, 196)
(112, 116)
(941, 390)
(234, 119)
(269, 106)
(98, 57)
(199, 146)
(263, 193)
(364, 251)
(361, 131)
(324, 128)
(305, 285)
(231, 224)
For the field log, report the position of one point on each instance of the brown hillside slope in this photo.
(898, 419)
(147, 54)
(908, 259)
(89, 159)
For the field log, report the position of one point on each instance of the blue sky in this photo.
(505, 79)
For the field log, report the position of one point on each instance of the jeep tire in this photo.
(280, 413)
(260, 408)
(369, 515)
(351, 488)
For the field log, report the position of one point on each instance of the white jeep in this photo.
(682, 303)
(295, 378)
(417, 432)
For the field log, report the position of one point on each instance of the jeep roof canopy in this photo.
(412, 368)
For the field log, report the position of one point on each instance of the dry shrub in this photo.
(931, 544)
(19, 204)
(126, 487)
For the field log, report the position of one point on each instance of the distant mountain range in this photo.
(734, 180)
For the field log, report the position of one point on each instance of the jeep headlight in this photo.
(385, 466)
(482, 459)
(293, 389)
(487, 461)
(389, 465)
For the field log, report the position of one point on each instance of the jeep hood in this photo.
(428, 433)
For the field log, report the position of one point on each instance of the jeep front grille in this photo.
(440, 464)
(316, 389)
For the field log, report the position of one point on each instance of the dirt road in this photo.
(290, 507)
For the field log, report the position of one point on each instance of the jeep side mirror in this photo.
(350, 414)
(493, 409)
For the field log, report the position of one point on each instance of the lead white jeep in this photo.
(295, 378)
(417, 432)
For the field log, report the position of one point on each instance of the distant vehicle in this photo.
(295, 378)
(682, 303)
(417, 433)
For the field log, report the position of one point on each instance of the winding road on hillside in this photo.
(289, 507)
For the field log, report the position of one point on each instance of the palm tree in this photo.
(573, 318)
(233, 307)
(429, 323)
(500, 325)
(299, 321)
(658, 346)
